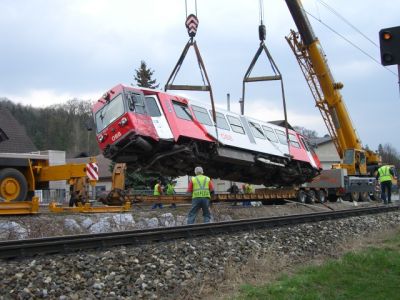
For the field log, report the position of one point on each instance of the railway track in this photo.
(68, 244)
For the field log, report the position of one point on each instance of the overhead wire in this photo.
(336, 13)
(350, 42)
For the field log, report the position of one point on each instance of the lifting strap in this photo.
(192, 23)
(276, 76)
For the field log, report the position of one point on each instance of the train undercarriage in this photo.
(227, 163)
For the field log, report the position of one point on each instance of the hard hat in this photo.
(198, 170)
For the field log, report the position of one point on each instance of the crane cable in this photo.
(261, 4)
(274, 67)
(201, 66)
(195, 8)
(346, 39)
(276, 71)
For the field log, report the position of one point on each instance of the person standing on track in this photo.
(201, 188)
(157, 192)
(171, 191)
(385, 175)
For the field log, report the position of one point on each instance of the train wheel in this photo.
(13, 185)
(365, 197)
(301, 196)
(321, 196)
(311, 196)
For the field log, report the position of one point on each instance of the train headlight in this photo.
(123, 121)
(101, 138)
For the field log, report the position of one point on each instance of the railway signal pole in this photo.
(389, 39)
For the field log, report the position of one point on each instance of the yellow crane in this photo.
(356, 159)
(358, 162)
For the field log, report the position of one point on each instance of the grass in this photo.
(373, 273)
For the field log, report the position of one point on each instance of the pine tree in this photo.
(144, 75)
(143, 180)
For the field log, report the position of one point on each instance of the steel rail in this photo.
(70, 243)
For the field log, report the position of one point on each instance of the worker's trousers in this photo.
(197, 203)
(386, 186)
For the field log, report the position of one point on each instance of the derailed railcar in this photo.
(157, 131)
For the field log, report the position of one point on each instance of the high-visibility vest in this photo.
(201, 187)
(384, 174)
(249, 189)
(156, 191)
(170, 189)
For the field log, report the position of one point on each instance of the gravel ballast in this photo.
(178, 269)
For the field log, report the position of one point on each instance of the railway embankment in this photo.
(184, 269)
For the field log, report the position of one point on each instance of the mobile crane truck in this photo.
(353, 178)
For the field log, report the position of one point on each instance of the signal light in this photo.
(389, 39)
(386, 36)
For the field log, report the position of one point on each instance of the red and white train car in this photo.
(157, 131)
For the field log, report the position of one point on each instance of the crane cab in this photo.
(354, 161)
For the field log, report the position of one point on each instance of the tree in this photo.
(144, 75)
(389, 155)
(57, 127)
(308, 133)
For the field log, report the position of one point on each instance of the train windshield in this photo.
(109, 113)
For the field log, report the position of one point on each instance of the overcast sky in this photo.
(53, 51)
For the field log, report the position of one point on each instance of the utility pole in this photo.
(241, 103)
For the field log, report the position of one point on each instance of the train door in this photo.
(158, 117)
(310, 153)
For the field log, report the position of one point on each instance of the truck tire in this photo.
(376, 196)
(311, 196)
(321, 196)
(332, 198)
(13, 185)
(365, 197)
(301, 196)
(352, 197)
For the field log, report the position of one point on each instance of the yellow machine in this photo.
(356, 159)
(358, 162)
(117, 195)
(23, 173)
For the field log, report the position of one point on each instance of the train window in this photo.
(256, 130)
(136, 103)
(221, 121)
(281, 136)
(305, 144)
(270, 134)
(202, 115)
(152, 107)
(182, 111)
(293, 140)
(235, 124)
(110, 112)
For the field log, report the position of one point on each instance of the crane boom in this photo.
(311, 58)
